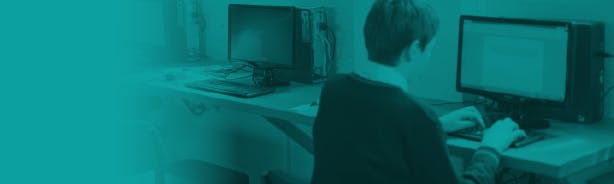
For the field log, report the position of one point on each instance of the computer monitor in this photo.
(262, 35)
(534, 69)
(525, 60)
(514, 62)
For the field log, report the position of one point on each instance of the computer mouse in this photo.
(530, 138)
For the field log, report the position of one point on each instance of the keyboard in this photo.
(490, 118)
(476, 135)
(230, 88)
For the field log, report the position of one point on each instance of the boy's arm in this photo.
(428, 144)
(483, 166)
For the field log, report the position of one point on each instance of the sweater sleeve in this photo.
(483, 167)
(434, 161)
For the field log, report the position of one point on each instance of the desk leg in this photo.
(293, 132)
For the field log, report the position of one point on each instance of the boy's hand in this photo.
(502, 134)
(461, 119)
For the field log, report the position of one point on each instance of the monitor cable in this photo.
(330, 35)
(330, 42)
(605, 55)
(469, 103)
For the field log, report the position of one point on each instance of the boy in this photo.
(368, 128)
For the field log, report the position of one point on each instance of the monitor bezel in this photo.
(272, 64)
(498, 96)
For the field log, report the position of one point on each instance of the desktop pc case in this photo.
(584, 103)
(310, 63)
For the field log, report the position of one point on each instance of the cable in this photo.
(330, 35)
(333, 41)
(477, 102)
(329, 55)
(267, 76)
(330, 43)
(329, 40)
(239, 68)
(243, 67)
(605, 55)
(446, 103)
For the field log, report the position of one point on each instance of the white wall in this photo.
(439, 80)
(596, 10)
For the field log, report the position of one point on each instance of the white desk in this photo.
(574, 152)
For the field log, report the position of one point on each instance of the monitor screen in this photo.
(526, 60)
(261, 34)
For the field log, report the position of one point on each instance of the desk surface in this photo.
(276, 105)
(570, 148)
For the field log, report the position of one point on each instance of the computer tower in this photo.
(585, 98)
(308, 59)
(586, 95)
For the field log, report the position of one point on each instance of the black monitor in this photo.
(513, 61)
(525, 60)
(261, 35)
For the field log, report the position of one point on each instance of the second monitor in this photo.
(261, 34)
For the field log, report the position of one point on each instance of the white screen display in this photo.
(523, 60)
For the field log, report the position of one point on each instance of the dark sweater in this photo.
(371, 132)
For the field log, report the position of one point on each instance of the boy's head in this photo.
(396, 29)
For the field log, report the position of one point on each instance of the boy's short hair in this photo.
(392, 25)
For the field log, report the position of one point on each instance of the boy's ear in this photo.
(412, 51)
(416, 48)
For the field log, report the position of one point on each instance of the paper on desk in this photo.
(307, 110)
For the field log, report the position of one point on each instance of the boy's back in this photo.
(371, 132)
